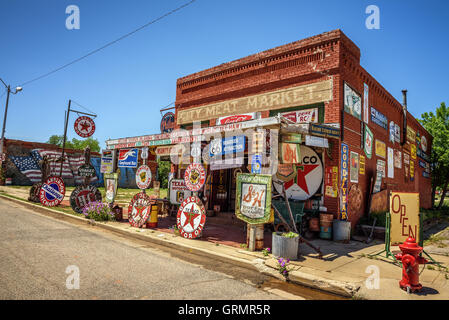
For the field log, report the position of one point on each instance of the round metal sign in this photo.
(191, 218)
(83, 195)
(139, 209)
(168, 122)
(308, 178)
(84, 126)
(52, 192)
(143, 177)
(195, 176)
(86, 170)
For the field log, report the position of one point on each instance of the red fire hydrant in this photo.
(411, 260)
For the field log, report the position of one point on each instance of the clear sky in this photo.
(127, 83)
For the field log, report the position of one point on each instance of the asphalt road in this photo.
(35, 252)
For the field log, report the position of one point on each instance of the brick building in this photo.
(319, 81)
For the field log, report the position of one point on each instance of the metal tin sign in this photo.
(256, 163)
(354, 167)
(253, 200)
(111, 185)
(324, 131)
(290, 153)
(195, 176)
(127, 158)
(379, 118)
(86, 170)
(411, 134)
(381, 149)
(236, 118)
(178, 191)
(302, 116)
(168, 122)
(106, 165)
(286, 171)
(52, 192)
(144, 153)
(423, 143)
(191, 218)
(344, 181)
(84, 126)
(308, 179)
(365, 103)
(353, 102)
(83, 195)
(368, 145)
(392, 131)
(139, 209)
(143, 177)
(227, 145)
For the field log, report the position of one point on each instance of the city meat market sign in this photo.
(52, 192)
(253, 200)
(280, 99)
(191, 218)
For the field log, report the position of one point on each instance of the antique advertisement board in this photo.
(353, 102)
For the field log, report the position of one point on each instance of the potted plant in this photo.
(285, 244)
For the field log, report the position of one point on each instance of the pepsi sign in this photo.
(127, 158)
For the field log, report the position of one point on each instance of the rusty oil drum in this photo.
(152, 219)
(314, 224)
(326, 220)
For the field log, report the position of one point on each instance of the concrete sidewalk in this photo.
(344, 270)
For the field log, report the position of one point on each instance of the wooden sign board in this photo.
(405, 217)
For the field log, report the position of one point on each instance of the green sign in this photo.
(368, 142)
(253, 200)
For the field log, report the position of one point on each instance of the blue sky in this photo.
(127, 83)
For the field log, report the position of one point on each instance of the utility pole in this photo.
(8, 88)
(65, 137)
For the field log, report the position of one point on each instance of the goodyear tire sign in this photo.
(344, 181)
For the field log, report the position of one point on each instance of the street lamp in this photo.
(8, 88)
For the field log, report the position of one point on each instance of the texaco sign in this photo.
(52, 192)
(139, 209)
(84, 126)
(191, 218)
(309, 176)
(195, 176)
(143, 177)
(83, 195)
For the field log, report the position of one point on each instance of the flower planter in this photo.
(285, 247)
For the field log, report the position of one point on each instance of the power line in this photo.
(82, 106)
(108, 44)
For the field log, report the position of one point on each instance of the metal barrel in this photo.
(342, 230)
(326, 225)
(285, 247)
(258, 231)
(152, 220)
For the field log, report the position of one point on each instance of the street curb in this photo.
(344, 289)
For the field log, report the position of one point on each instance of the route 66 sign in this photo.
(215, 147)
(191, 218)
(84, 126)
(144, 153)
(139, 209)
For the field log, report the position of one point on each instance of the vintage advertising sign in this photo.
(302, 116)
(332, 182)
(308, 179)
(412, 170)
(194, 177)
(379, 118)
(362, 165)
(378, 182)
(139, 209)
(380, 167)
(87, 170)
(404, 215)
(423, 143)
(228, 145)
(144, 153)
(143, 177)
(84, 126)
(52, 192)
(237, 118)
(291, 137)
(253, 199)
(354, 171)
(168, 122)
(368, 145)
(127, 158)
(397, 159)
(111, 185)
(381, 149)
(317, 142)
(390, 163)
(411, 134)
(286, 171)
(365, 103)
(256, 163)
(392, 131)
(413, 151)
(344, 167)
(257, 142)
(324, 130)
(191, 218)
(107, 161)
(178, 191)
(291, 97)
(290, 153)
(82, 196)
(353, 102)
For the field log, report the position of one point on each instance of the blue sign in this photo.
(127, 158)
(227, 145)
(256, 164)
(379, 118)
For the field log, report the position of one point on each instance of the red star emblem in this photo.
(190, 217)
(303, 171)
(85, 126)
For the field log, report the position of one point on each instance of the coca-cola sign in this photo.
(236, 118)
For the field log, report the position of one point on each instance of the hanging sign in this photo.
(324, 130)
(87, 170)
(178, 191)
(143, 177)
(317, 142)
(84, 126)
(290, 153)
(291, 137)
(139, 209)
(168, 122)
(354, 171)
(127, 158)
(365, 103)
(362, 165)
(195, 176)
(380, 149)
(404, 215)
(390, 163)
(191, 218)
(353, 103)
(368, 145)
(302, 116)
(52, 192)
(82, 196)
(253, 200)
(379, 118)
(144, 153)
(344, 181)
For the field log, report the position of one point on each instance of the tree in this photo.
(438, 126)
(75, 143)
(163, 169)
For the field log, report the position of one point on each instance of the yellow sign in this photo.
(381, 149)
(413, 151)
(404, 213)
(279, 99)
(362, 164)
(412, 169)
(411, 134)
